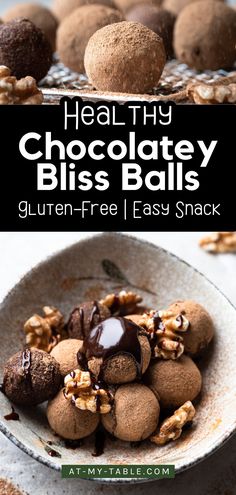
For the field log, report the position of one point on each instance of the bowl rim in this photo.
(219, 443)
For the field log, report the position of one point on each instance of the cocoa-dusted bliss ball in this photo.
(174, 381)
(205, 35)
(66, 353)
(63, 8)
(122, 367)
(126, 5)
(24, 49)
(68, 421)
(201, 327)
(159, 20)
(135, 413)
(125, 57)
(42, 17)
(31, 377)
(175, 6)
(74, 32)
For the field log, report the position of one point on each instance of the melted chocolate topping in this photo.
(113, 336)
(81, 319)
(100, 439)
(26, 361)
(95, 311)
(12, 416)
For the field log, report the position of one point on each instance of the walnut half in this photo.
(44, 332)
(18, 92)
(209, 94)
(85, 395)
(171, 428)
(219, 242)
(165, 327)
(121, 303)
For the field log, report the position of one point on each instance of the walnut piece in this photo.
(219, 242)
(85, 395)
(164, 327)
(18, 92)
(44, 332)
(171, 428)
(208, 94)
(122, 303)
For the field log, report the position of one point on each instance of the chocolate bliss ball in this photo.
(74, 32)
(63, 8)
(39, 15)
(31, 377)
(175, 6)
(24, 49)
(125, 57)
(205, 35)
(159, 20)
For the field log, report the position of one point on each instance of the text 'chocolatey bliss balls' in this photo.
(63, 8)
(39, 15)
(159, 20)
(74, 32)
(125, 57)
(24, 49)
(205, 35)
(175, 6)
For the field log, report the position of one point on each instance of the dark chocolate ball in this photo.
(31, 377)
(24, 49)
(159, 20)
(85, 317)
(42, 17)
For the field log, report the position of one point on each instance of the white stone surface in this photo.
(215, 476)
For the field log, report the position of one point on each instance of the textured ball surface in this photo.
(24, 49)
(125, 57)
(205, 35)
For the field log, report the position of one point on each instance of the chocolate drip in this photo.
(26, 361)
(113, 336)
(157, 321)
(52, 452)
(100, 440)
(95, 311)
(180, 320)
(81, 319)
(115, 307)
(12, 416)
(82, 361)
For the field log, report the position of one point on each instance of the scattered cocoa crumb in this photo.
(7, 488)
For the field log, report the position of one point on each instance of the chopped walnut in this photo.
(44, 332)
(122, 303)
(171, 428)
(220, 242)
(164, 327)
(84, 394)
(208, 94)
(18, 92)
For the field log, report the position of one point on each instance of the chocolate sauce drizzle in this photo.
(95, 311)
(26, 361)
(99, 444)
(14, 416)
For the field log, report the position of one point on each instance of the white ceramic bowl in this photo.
(79, 273)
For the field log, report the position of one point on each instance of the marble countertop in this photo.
(216, 476)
